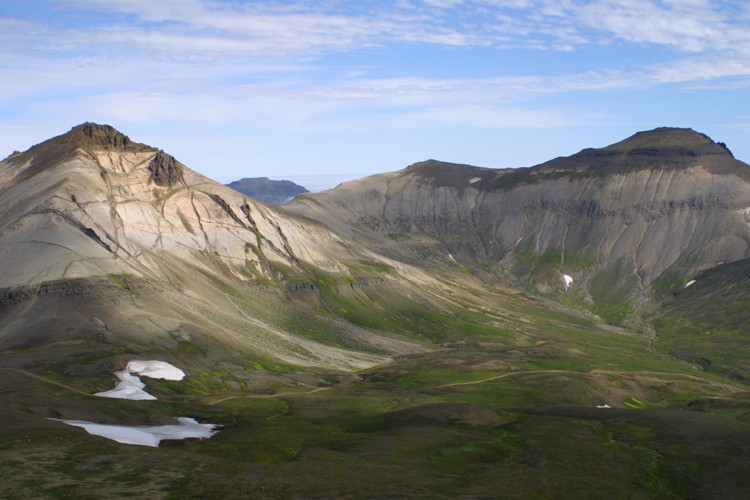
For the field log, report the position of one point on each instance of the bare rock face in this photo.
(663, 204)
(165, 170)
(103, 136)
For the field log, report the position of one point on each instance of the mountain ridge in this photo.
(627, 215)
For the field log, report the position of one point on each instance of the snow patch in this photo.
(474, 180)
(605, 405)
(131, 387)
(156, 369)
(568, 280)
(450, 256)
(689, 283)
(147, 435)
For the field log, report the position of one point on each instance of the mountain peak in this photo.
(100, 135)
(661, 148)
(94, 135)
(670, 138)
(87, 136)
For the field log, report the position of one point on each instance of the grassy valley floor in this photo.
(509, 410)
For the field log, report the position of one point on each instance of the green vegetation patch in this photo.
(611, 290)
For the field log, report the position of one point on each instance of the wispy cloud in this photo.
(273, 66)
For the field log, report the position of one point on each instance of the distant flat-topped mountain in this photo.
(620, 220)
(267, 190)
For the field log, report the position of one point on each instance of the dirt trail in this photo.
(45, 379)
(42, 378)
(268, 396)
(504, 375)
(729, 387)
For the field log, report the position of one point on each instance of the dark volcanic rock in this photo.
(104, 136)
(165, 170)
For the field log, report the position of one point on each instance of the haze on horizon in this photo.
(336, 90)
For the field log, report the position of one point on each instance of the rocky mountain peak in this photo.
(103, 136)
(670, 138)
(93, 136)
(664, 148)
(87, 136)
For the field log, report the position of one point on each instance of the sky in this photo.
(323, 91)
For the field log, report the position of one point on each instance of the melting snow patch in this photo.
(474, 179)
(605, 405)
(131, 387)
(156, 369)
(689, 283)
(148, 435)
(568, 281)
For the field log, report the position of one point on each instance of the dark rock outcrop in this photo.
(165, 170)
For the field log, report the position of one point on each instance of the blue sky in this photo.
(323, 91)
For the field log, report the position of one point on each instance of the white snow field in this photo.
(147, 435)
(131, 387)
(156, 369)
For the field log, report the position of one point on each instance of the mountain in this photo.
(623, 221)
(405, 335)
(95, 225)
(267, 190)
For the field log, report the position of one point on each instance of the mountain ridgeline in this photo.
(627, 222)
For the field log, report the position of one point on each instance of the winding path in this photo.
(729, 387)
(268, 396)
(45, 379)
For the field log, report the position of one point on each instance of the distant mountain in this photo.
(267, 190)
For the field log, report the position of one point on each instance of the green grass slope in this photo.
(504, 404)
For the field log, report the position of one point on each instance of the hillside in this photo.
(622, 221)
